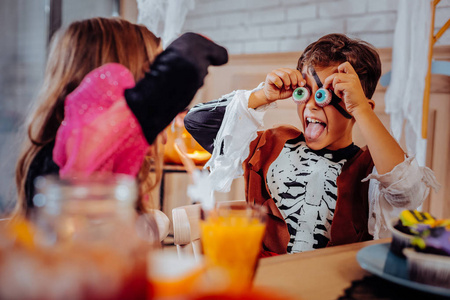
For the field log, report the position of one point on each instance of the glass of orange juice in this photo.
(231, 236)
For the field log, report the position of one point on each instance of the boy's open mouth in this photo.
(314, 128)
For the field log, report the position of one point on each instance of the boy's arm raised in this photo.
(204, 120)
(384, 149)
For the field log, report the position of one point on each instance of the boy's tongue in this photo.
(314, 130)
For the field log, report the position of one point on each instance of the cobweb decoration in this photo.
(165, 18)
(201, 190)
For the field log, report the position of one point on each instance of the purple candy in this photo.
(439, 239)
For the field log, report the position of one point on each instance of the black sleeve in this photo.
(203, 121)
(174, 78)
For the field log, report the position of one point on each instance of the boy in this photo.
(314, 182)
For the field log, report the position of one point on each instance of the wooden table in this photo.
(320, 274)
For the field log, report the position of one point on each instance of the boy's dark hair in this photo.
(337, 48)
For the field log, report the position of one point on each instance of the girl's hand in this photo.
(347, 86)
(280, 83)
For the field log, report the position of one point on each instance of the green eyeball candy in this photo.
(301, 95)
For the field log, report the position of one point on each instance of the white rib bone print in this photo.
(303, 186)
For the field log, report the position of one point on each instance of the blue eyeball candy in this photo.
(323, 97)
(301, 95)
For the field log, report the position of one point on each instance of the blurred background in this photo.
(250, 29)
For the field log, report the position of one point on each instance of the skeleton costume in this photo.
(314, 198)
(302, 183)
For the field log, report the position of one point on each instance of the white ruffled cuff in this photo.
(231, 146)
(405, 187)
(403, 176)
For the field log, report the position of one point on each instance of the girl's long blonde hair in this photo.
(74, 52)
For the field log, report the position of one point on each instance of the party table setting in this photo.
(85, 240)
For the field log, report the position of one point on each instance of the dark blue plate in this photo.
(378, 260)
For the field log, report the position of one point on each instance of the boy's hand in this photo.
(347, 86)
(281, 83)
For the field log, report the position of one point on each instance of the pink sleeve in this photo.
(99, 132)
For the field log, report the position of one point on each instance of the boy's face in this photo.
(323, 127)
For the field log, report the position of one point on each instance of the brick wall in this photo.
(262, 26)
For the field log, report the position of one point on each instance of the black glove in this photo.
(174, 78)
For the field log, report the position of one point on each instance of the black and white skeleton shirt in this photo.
(302, 183)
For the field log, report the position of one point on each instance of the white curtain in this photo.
(404, 96)
(165, 18)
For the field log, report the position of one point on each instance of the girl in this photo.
(94, 64)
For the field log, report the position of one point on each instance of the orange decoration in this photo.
(194, 151)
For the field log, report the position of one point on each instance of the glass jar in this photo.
(89, 226)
